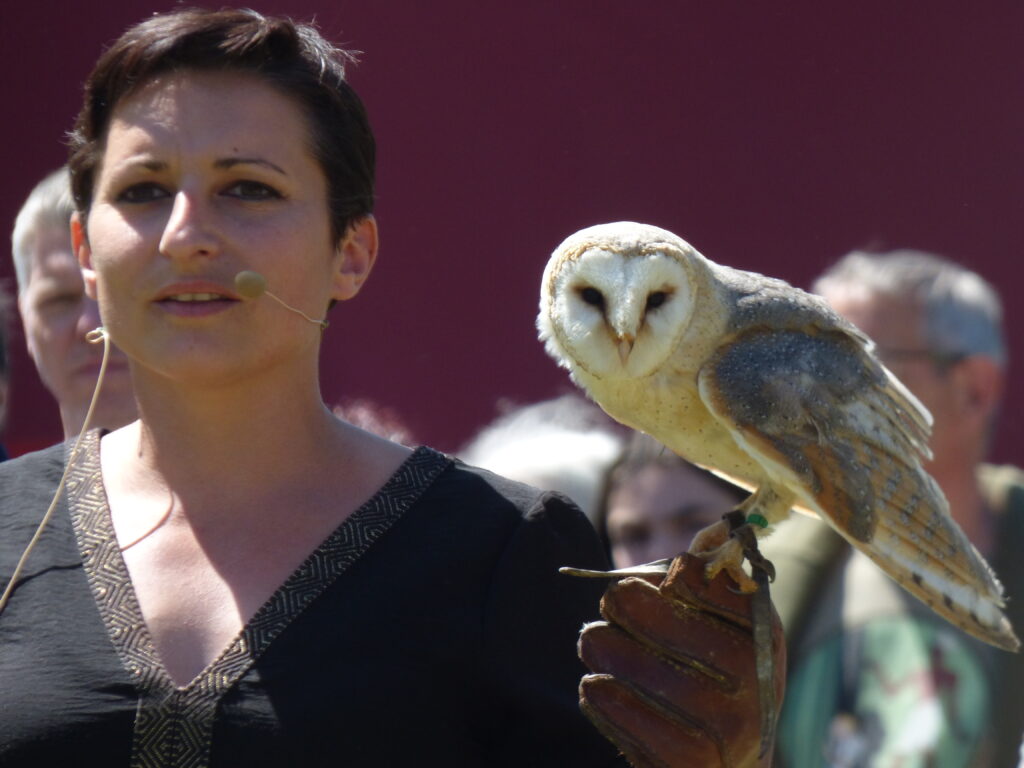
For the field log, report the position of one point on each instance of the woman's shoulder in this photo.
(39, 468)
(489, 493)
(27, 485)
(498, 531)
(477, 509)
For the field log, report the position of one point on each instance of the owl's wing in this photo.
(827, 421)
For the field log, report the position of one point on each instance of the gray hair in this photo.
(565, 444)
(962, 311)
(48, 206)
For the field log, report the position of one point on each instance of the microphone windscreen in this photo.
(251, 285)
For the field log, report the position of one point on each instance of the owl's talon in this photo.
(729, 558)
(736, 591)
(725, 545)
(744, 534)
(710, 539)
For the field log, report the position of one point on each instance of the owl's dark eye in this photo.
(593, 297)
(656, 299)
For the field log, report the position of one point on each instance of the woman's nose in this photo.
(189, 230)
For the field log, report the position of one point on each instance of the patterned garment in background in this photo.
(874, 679)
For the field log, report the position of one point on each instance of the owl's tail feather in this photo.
(919, 545)
(956, 601)
(918, 518)
(903, 524)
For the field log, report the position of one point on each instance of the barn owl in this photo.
(763, 384)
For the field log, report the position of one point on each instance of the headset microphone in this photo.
(252, 285)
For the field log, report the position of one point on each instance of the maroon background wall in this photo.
(774, 137)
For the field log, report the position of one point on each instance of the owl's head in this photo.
(616, 299)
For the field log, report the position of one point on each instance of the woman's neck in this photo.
(255, 435)
(253, 446)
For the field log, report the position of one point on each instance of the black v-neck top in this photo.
(430, 628)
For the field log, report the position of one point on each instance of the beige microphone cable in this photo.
(252, 285)
(94, 337)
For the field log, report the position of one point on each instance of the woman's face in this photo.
(656, 511)
(206, 174)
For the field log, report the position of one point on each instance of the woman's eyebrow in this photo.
(141, 162)
(230, 162)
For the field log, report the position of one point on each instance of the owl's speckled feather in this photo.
(764, 384)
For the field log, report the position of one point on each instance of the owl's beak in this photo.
(625, 346)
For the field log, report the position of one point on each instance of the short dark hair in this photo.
(291, 56)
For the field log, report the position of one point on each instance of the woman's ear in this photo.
(80, 244)
(358, 252)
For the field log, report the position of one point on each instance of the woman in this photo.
(240, 578)
(655, 503)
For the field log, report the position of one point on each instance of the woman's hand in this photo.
(674, 664)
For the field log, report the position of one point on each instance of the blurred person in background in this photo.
(5, 363)
(875, 679)
(655, 502)
(56, 314)
(564, 444)
(370, 416)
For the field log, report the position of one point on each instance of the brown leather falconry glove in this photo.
(675, 679)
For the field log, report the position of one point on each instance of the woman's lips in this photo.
(195, 298)
(188, 305)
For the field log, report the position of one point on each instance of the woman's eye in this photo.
(252, 190)
(145, 192)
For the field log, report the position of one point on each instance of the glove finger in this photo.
(687, 583)
(647, 735)
(606, 649)
(718, 648)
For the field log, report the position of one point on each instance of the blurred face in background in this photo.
(655, 511)
(897, 328)
(56, 315)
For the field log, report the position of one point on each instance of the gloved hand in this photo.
(675, 681)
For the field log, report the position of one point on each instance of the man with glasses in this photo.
(875, 679)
